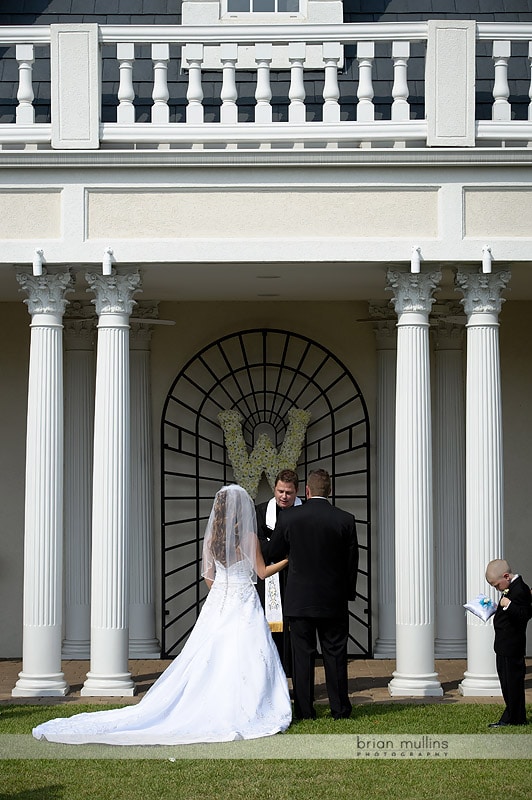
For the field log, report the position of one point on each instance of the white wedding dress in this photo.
(226, 684)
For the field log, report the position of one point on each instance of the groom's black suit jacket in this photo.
(510, 625)
(321, 545)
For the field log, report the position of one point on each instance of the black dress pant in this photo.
(332, 633)
(511, 672)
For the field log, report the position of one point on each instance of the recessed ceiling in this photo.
(269, 282)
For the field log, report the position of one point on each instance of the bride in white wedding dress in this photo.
(228, 682)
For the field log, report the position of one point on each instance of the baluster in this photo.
(365, 56)
(331, 53)
(160, 53)
(125, 54)
(229, 94)
(501, 109)
(296, 56)
(193, 55)
(25, 112)
(263, 92)
(400, 106)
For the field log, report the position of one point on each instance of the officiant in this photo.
(271, 591)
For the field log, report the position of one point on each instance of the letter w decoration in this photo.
(264, 457)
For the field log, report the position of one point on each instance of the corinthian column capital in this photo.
(412, 291)
(140, 328)
(384, 325)
(46, 293)
(114, 293)
(482, 291)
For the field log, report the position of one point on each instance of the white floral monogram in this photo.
(248, 468)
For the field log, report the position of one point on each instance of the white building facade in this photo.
(365, 259)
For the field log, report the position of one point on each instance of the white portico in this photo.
(270, 228)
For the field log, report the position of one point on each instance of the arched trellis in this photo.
(262, 374)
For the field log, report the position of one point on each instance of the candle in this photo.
(107, 266)
(415, 260)
(37, 262)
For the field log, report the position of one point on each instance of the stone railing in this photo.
(270, 86)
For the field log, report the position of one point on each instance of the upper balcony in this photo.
(426, 84)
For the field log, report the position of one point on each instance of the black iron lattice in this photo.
(262, 373)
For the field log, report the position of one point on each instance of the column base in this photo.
(450, 648)
(73, 650)
(384, 648)
(144, 648)
(108, 685)
(415, 685)
(480, 686)
(40, 685)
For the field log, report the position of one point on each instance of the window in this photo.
(262, 6)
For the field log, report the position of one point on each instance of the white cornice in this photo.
(123, 158)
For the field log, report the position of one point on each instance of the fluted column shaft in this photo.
(43, 522)
(109, 675)
(142, 640)
(484, 468)
(449, 491)
(414, 674)
(386, 336)
(79, 429)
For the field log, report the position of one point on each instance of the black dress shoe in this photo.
(498, 724)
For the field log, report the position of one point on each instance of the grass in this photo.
(376, 718)
(278, 779)
(266, 780)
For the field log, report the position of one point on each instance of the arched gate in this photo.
(262, 374)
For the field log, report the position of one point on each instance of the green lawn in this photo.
(280, 779)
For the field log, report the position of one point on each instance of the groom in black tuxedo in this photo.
(321, 545)
(510, 621)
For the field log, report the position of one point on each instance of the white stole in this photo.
(272, 590)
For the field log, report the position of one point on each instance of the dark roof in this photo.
(165, 12)
(105, 12)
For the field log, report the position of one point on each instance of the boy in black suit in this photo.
(510, 621)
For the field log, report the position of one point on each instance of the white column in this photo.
(296, 55)
(25, 55)
(193, 55)
(386, 336)
(501, 109)
(414, 674)
(108, 675)
(365, 94)
(400, 105)
(484, 469)
(125, 55)
(229, 93)
(160, 111)
(43, 523)
(332, 52)
(142, 639)
(263, 92)
(449, 488)
(79, 434)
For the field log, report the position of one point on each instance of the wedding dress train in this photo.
(226, 684)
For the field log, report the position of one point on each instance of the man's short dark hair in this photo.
(287, 476)
(319, 483)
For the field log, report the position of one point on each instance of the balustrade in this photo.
(239, 62)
